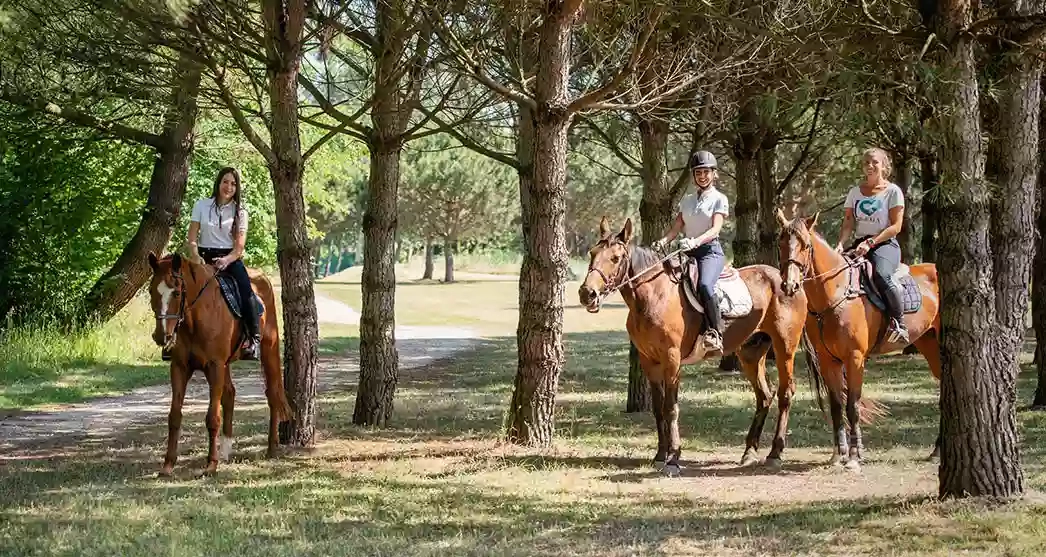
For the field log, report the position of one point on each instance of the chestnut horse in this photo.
(846, 329)
(664, 326)
(194, 322)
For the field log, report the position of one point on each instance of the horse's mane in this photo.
(643, 258)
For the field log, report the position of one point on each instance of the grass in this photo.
(41, 366)
(439, 481)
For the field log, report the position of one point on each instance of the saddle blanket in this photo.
(912, 298)
(735, 300)
(231, 294)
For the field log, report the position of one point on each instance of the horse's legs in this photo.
(657, 399)
(784, 350)
(854, 383)
(270, 361)
(228, 401)
(215, 379)
(180, 374)
(671, 419)
(930, 347)
(753, 364)
(832, 373)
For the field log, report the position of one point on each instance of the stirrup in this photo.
(898, 332)
(250, 348)
(713, 340)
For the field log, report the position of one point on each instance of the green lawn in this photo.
(438, 480)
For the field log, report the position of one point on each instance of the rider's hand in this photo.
(862, 249)
(689, 243)
(222, 262)
(658, 245)
(839, 248)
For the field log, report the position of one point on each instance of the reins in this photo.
(610, 289)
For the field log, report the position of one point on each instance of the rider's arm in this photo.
(239, 238)
(846, 229)
(193, 237)
(896, 222)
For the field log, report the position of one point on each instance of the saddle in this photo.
(227, 286)
(861, 283)
(735, 300)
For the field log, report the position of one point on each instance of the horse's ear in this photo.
(153, 262)
(626, 233)
(176, 262)
(604, 227)
(781, 217)
(812, 221)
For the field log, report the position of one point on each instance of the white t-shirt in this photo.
(872, 213)
(697, 210)
(216, 223)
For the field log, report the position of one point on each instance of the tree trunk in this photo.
(929, 181)
(543, 276)
(449, 245)
(379, 359)
(656, 213)
(767, 163)
(746, 210)
(903, 172)
(284, 22)
(979, 451)
(166, 191)
(390, 115)
(1038, 298)
(430, 264)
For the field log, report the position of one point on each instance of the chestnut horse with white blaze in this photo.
(194, 322)
(846, 329)
(665, 327)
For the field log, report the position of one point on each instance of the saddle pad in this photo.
(231, 294)
(912, 298)
(735, 300)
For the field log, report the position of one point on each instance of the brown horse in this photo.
(193, 321)
(664, 327)
(846, 329)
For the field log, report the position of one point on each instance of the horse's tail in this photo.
(817, 383)
(870, 408)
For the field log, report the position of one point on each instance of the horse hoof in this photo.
(749, 460)
(671, 470)
(836, 460)
(207, 472)
(773, 464)
(853, 465)
(224, 448)
(659, 464)
(166, 472)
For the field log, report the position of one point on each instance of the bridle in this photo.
(182, 310)
(609, 287)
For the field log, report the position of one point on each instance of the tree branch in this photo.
(805, 152)
(600, 94)
(83, 119)
(468, 142)
(245, 126)
(630, 162)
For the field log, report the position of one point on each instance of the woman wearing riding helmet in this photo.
(875, 211)
(700, 218)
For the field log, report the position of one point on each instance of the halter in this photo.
(847, 293)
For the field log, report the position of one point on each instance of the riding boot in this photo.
(250, 321)
(895, 301)
(714, 319)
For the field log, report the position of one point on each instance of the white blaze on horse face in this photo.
(166, 293)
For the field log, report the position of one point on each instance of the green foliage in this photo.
(69, 203)
(598, 184)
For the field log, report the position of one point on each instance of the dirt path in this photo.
(104, 417)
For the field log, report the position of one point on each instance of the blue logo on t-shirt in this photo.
(869, 206)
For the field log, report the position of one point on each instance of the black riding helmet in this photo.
(702, 159)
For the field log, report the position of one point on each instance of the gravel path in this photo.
(104, 417)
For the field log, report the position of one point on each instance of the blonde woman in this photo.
(874, 214)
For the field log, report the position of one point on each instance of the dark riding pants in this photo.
(710, 263)
(885, 258)
(238, 271)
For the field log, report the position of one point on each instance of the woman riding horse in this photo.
(701, 215)
(217, 235)
(875, 210)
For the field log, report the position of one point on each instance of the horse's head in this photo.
(607, 267)
(167, 297)
(796, 250)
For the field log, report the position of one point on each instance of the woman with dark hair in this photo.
(217, 234)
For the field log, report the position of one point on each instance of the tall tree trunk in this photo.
(543, 275)
(449, 245)
(656, 213)
(1038, 298)
(284, 22)
(430, 264)
(767, 162)
(903, 173)
(166, 191)
(979, 452)
(929, 180)
(379, 359)
(746, 209)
